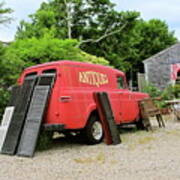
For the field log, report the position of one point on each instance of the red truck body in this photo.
(71, 102)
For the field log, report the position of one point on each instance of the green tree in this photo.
(100, 29)
(67, 18)
(123, 38)
(118, 48)
(154, 36)
(4, 94)
(24, 53)
(3, 14)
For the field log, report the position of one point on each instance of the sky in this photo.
(167, 10)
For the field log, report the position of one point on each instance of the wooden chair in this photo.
(149, 109)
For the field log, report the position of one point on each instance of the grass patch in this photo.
(146, 140)
(133, 140)
(100, 158)
(175, 132)
(140, 141)
(129, 137)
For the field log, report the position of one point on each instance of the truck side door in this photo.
(127, 104)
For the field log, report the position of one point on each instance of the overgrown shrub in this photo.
(169, 93)
(152, 90)
(27, 52)
(4, 97)
(176, 91)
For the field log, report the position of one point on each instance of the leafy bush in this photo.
(4, 96)
(176, 90)
(169, 93)
(28, 52)
(152, 90)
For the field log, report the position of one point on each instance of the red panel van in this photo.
(72, 106)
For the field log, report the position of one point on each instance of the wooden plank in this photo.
(107, 118)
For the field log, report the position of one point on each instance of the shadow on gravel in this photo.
(46, 141)
(127, 129)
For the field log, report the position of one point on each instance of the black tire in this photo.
(140, 125)
(88, 134)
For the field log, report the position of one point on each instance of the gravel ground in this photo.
(142, 155)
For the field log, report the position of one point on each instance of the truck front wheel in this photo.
(93, 131)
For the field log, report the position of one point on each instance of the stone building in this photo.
(163, 68)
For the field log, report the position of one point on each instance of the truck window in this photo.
(31, 74)
(120, 82)
(49, 71)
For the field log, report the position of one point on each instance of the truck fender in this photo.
(91, 108)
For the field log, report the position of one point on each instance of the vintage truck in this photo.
(72, 107)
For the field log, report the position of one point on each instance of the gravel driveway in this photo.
(142, 155)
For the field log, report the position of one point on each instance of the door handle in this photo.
(65, 98)
(120, 92)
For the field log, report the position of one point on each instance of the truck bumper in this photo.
(53, 127)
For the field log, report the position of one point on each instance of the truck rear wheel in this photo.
(93, 131)
(140, 125)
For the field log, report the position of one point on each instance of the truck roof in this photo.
(71, 63)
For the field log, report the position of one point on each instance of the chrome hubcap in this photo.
(97, 130)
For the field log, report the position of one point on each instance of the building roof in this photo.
(161, 53)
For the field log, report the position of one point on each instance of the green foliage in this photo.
(176, 91)
(89, 19)
(92, 19)
(3, 14)
(154, 36)
(28, 52)
(118, 48)
(92, 59)
(152, 90)
(169, 93)
(166, 94)
(53, 14)
(4, 96)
